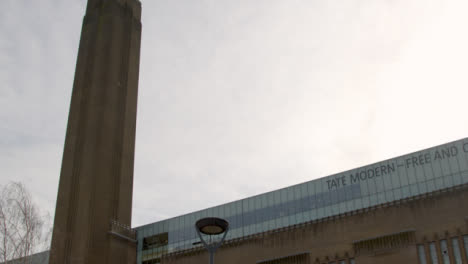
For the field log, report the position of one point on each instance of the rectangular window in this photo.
(152, 261)
(351, 261)
(433, 253)
(465, 241)
(456, 250)
(422, 254)
(155, 241)
(444, 252)
(298, 259)
(342, 262)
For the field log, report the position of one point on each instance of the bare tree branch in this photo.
(21, 224)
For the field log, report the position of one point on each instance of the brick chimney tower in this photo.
(94, 201)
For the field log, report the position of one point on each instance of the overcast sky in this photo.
(237, 98)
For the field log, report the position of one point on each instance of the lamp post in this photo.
(212, 226)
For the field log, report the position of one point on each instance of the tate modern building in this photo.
(409, 209)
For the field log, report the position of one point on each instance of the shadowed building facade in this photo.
(94, 202)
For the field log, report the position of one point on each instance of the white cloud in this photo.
(241, 97)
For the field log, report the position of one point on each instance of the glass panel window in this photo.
(422, 254)
(155, 241)
(456, 250)
(433, 253)
(465, 241)
(342, 262)
(444, 252)
(351, 261)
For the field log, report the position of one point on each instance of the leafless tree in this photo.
(21, 224)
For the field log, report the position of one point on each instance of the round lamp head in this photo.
(212, 225)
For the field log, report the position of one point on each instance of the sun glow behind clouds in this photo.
(273, 93)
(424, 92)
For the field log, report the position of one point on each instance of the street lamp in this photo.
(212, 226)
